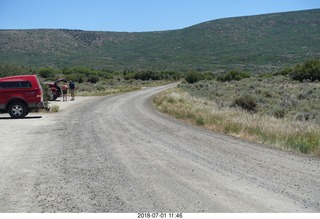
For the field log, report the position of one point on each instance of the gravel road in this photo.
(118, 154)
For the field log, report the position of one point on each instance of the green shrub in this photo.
(93, 79)
(310, 70)
(48, 73)
(278, 112)
(193, 77)
(246, 102)
(233, 75)
(284, 71)
(200, 121)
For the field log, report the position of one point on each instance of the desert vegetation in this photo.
(282, 133)
(276, 96)
(277, 109)
(96, 82)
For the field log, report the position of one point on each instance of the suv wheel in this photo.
(17, 110)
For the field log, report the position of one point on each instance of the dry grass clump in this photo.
(55, 108)
(282, 133)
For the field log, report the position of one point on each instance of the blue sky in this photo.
(134, 15)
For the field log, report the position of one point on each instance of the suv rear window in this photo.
(16, 84)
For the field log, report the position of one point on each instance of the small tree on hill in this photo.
(310, 70)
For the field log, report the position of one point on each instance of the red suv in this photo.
(20, 94)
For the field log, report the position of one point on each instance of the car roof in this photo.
(18, 78)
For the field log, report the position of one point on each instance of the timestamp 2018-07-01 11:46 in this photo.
(160, 215)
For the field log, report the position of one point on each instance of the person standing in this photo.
(72, 88)
(64, 89)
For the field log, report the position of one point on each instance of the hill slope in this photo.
(259, 43)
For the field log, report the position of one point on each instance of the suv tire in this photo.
(17, 110)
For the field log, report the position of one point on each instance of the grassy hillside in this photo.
(254, 43)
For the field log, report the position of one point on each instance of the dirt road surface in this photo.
(118, 154)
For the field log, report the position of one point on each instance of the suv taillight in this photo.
(39, 95)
